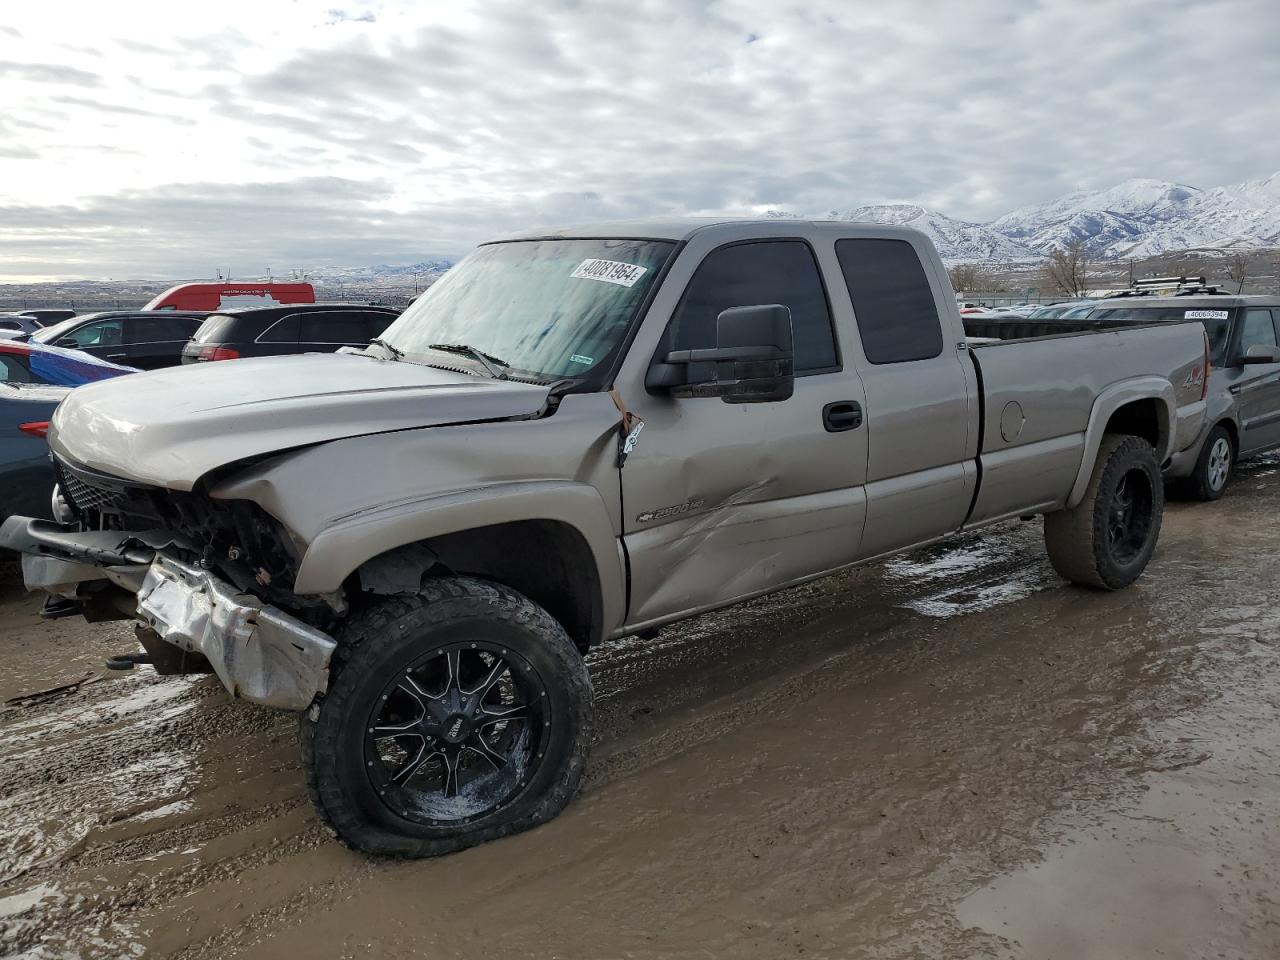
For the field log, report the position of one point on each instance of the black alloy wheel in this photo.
(1130, 515)
(458, 734)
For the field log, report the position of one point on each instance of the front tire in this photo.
(451, 718)
(1214, 466)
(1107, 539)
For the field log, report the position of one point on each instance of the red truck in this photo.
(219, 295)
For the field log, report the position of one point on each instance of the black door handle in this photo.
(842, 415)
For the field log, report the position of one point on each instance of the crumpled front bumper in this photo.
(260, 653)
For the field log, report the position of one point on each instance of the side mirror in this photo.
(752, 361)
(1261, 353)
(68, 342)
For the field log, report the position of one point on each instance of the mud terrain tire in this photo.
(1107, 540)
(1214, 466)
(375, 647)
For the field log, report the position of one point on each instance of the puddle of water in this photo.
(964, 600)
(980, 564)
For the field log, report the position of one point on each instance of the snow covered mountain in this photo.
(1142, 218)
(955, 239)
(1136, 218)
(382, 273)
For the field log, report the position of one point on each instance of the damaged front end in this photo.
(198, 575)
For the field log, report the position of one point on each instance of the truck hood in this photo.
(170, 427)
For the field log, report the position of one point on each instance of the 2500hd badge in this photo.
(662, 513)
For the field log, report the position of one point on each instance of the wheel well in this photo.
(546, 560)
(1140, 418)
(1232, 432)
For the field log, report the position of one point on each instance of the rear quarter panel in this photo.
(1040, 398)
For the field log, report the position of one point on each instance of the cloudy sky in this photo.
(160, 140)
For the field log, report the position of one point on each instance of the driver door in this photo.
(722, 501)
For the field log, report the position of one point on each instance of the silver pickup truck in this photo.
(571, 437)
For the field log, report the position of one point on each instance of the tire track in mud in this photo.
(103, 783)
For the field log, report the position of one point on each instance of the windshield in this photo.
(545, 308)
(51, 333)
(1217, 323)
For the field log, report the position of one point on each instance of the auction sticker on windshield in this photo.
(1205, 315)
(610, 271)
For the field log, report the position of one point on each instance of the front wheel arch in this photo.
(394, 635)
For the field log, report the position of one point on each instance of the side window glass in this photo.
(750, 274)
(332, 328)
(13, 370)
(159, 329)
(282, 331)
(1258, 328)
(375, 323)
(892, 300)
(104, 333)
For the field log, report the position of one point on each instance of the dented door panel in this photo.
(725, 500)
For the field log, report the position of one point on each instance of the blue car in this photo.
(33, 379)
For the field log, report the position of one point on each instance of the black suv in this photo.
(274, 331)
(146, 339)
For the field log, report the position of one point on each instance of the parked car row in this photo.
(37, 367)
(151, 339)
(34, 379)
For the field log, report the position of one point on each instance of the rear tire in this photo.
(1214, 466)
(1107, 540)
(453, 717)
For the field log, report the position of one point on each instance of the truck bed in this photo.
(1038, 394)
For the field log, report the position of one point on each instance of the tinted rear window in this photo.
(892, 301)
(215, 329)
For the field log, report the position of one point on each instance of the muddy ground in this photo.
(951, 754)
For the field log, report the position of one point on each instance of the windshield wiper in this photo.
(497, 368)
(395, 352)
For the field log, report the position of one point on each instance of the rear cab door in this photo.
(922, 403)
